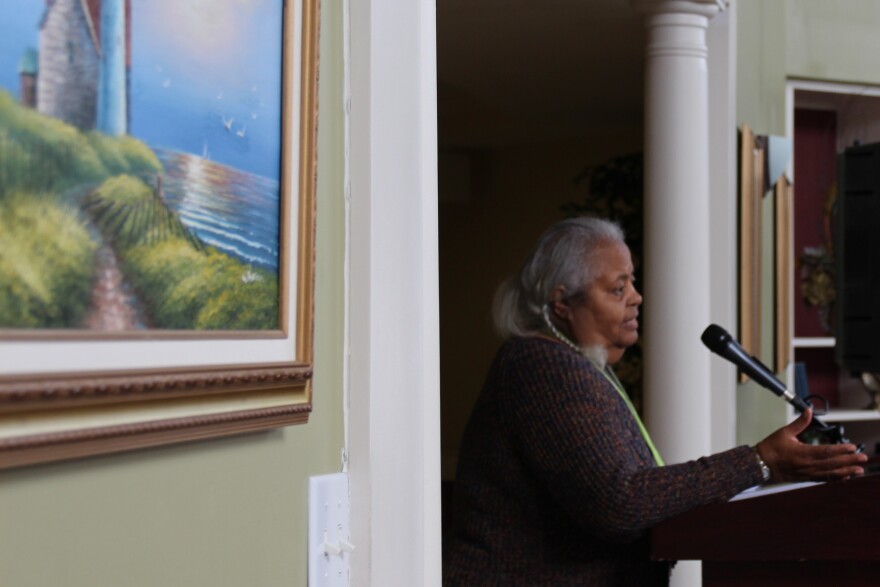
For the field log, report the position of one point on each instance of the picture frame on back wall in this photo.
(783, 194)
(751, 192)
(205, 354)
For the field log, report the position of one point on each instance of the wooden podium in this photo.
(826, 535)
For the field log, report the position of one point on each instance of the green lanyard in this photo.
(615, 382)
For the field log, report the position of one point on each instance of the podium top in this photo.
(838, 520)
(765, 490)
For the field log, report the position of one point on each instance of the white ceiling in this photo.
(511, 71)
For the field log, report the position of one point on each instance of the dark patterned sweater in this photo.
(556, 485)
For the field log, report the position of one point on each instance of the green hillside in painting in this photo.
(66, 194)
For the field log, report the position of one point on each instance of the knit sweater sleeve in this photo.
(579, 439)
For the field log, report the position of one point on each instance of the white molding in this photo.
(814, 342)
(393, 328)
(793, 84)
(843, 415)
(832, 87)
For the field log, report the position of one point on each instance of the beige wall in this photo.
(228, 512)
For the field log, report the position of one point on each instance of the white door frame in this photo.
(393, 395)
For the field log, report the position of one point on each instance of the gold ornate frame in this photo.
(71, 413)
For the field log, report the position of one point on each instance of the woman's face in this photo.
(606, 315)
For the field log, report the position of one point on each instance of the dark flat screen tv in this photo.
(857, 259)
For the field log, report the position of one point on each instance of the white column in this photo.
(677, 288)
(677, 285)
(393, 330)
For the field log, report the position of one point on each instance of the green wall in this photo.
(816, 40)
(228, 512)
(822, 40)
(760, 65)
(759, 412)
(834, 40)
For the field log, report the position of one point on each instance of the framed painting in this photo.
(751, 192)
(157, 202)
(784, 195)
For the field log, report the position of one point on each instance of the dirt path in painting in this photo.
(114, 307)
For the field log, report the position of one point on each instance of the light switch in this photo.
(329, 534)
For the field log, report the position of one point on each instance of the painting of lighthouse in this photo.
(141, 166)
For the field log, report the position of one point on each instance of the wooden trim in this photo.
(783, 203)
(308, 178)
(53, 392)
(751, 193)
(44, 448)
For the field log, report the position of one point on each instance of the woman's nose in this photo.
(636, 298)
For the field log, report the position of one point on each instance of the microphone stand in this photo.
(834, 433)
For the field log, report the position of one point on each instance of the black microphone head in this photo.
(716, 338)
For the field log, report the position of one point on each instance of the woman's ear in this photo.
(560, 308)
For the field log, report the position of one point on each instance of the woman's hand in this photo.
(789, 459)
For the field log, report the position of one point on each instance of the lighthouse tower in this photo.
(112, 103)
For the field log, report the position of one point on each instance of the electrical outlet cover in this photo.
(329, 532)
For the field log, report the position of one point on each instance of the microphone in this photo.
(720, 342)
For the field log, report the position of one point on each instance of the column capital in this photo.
(705, 8)
(677, 28)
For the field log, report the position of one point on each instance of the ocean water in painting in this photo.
(231, 210)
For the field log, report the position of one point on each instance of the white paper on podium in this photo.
(761, 490)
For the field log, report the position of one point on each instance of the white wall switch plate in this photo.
(329, 531)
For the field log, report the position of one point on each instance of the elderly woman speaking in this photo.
(558, 480)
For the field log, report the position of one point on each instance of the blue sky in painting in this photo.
(18, 30)
(206, 75)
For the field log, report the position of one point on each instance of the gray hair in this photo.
(562, 256)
